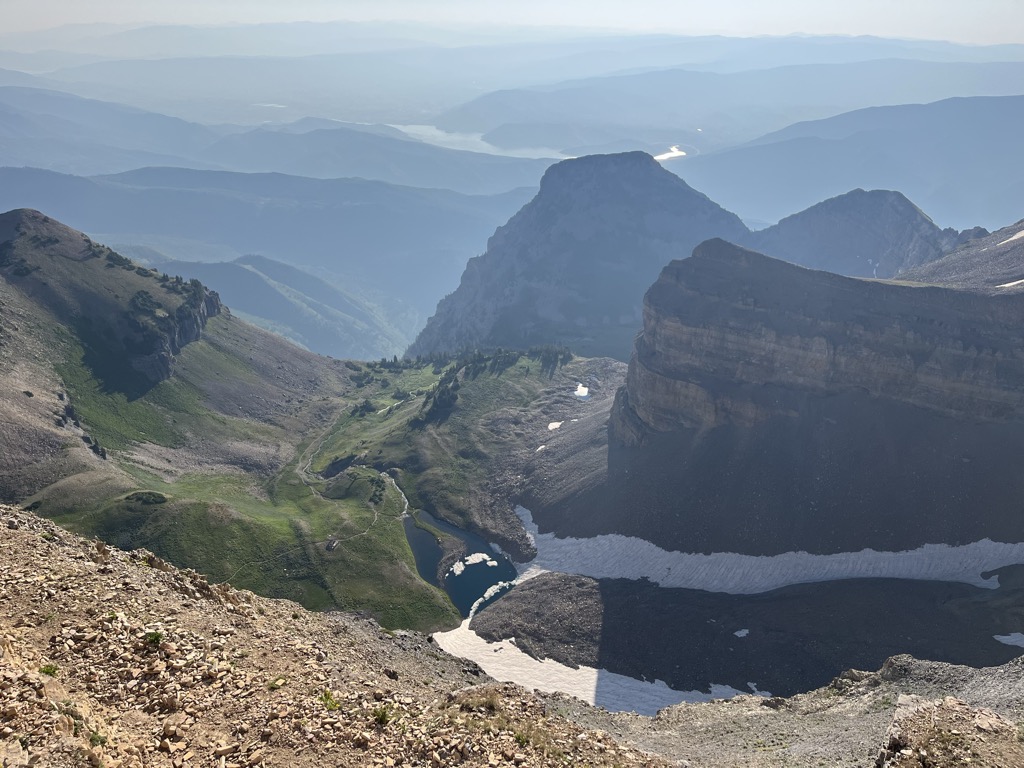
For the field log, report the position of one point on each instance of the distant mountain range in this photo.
(571, 266)
(959, 159)
(297, 305)
(709, 110)
(62, 132)
(397, 73)
(398, 248)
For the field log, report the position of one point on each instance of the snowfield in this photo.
(613, 556)
(616, 693)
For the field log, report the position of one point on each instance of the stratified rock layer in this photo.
(727, 326)
(770, 408)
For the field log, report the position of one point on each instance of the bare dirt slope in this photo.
(117, 659)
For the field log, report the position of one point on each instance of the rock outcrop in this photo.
(991, 264)
(770, 408)
(174, 332)
(131, 320)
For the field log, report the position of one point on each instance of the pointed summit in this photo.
(571, 266)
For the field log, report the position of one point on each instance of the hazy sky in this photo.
(973, 21)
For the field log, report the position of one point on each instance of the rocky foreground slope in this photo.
(117, 659)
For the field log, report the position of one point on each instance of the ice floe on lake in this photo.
(1014, 638)
(613, 556)
(741, 632)
(477, 557)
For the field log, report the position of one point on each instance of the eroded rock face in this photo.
(175, 332)
(732, 337)
(770, 408)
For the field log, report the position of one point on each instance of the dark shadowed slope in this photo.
(771, 408)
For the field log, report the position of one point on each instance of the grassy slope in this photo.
(226, 441)
(444, 463)
(235, 440)
(267, 529)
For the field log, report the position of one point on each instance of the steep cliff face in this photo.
(727, 322)
(169, 334)
(571, 267)
(131, 320)
(878, 233)
(770, 408)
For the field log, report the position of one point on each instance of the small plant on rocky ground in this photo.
(329, 702)
(154, 638)
(97, 739)
(49, 669)
(489, 701)
(383, 715)
(276, 683)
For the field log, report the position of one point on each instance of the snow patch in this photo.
(1010, 239)
(541, 448)
(613, 556)
(583, 393)
(1014, 638)
(617, 693)
(742, 633)
(673, 151)
(1010, 285)
(552, 426)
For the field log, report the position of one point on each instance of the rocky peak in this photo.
(572, 265)
(877, 233)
